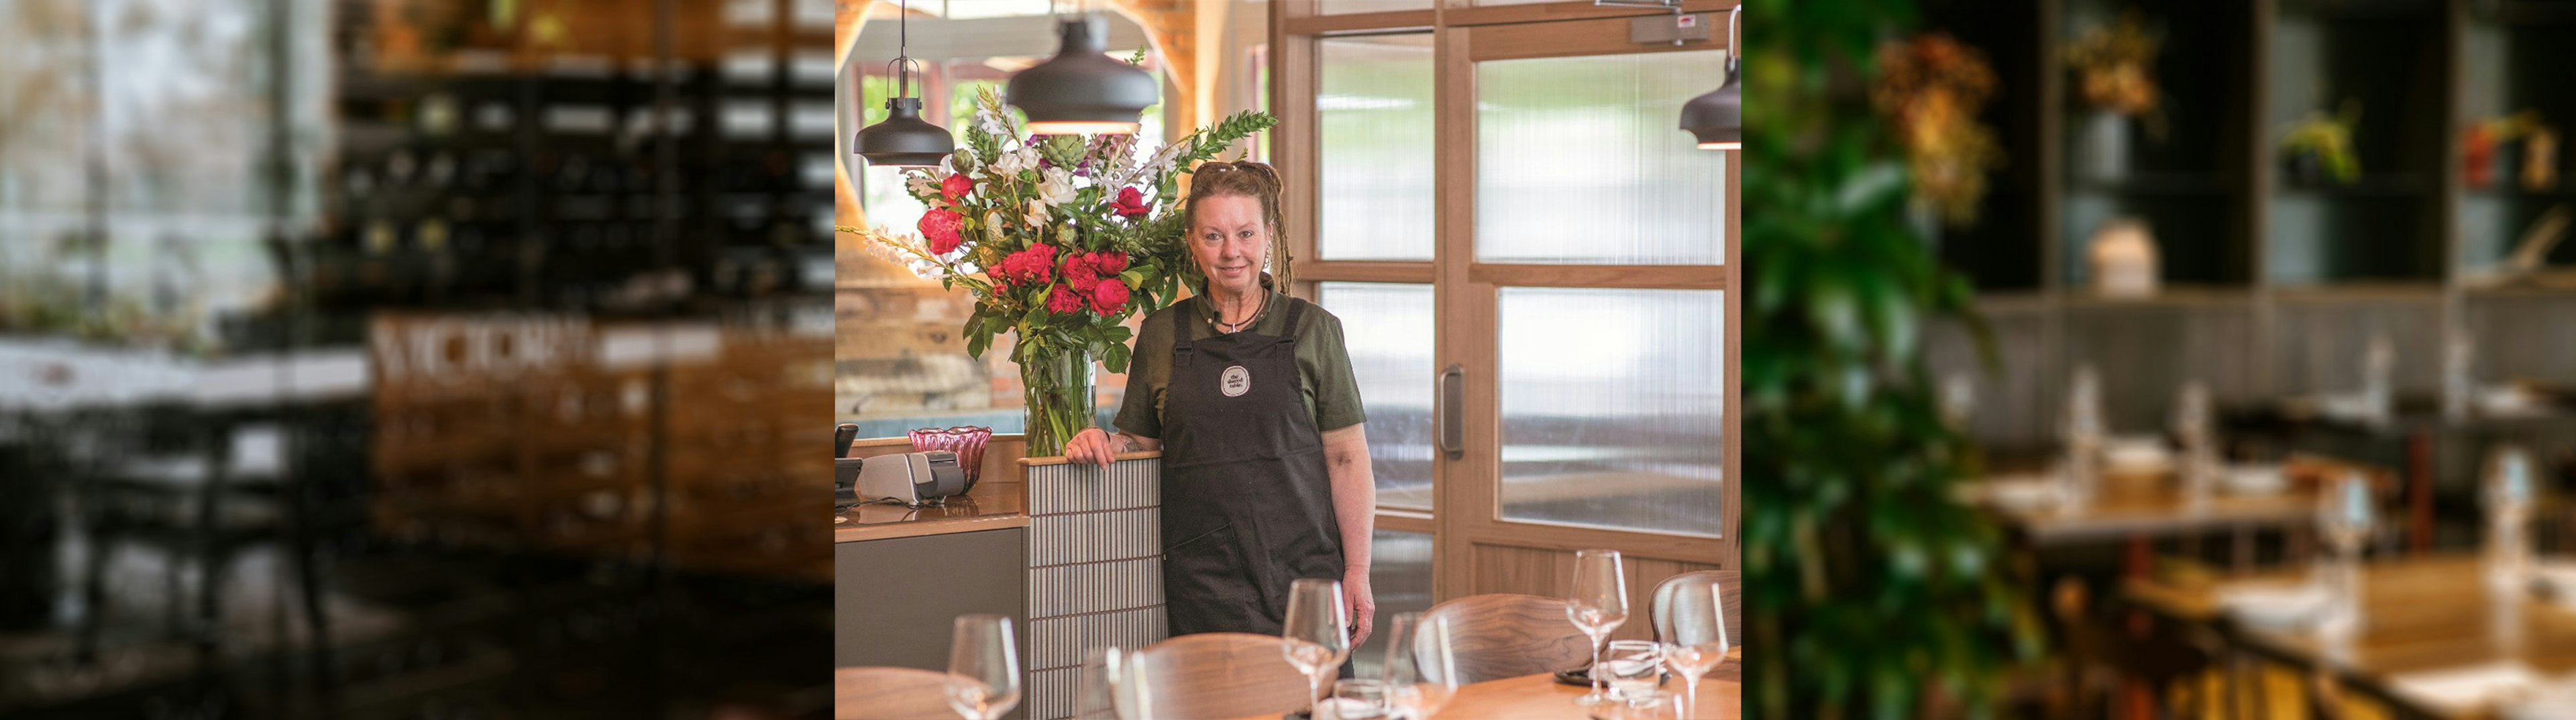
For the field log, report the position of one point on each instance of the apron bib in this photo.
(1247, 506)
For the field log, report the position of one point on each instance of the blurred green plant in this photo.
(2327, 141)
(1873, 591)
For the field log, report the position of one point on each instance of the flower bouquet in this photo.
(1931, 88)
(2117, 65)
(1059, 238)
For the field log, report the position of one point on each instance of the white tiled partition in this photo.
(1095, 571)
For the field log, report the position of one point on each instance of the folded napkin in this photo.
(2255, 479)
(2273, 604)
(2022, 492)
(2463, 690)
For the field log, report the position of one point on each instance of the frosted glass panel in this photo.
(1400, 578)
(1376, 125)
(1387, 329)
(1611, 404)
(1582, 160)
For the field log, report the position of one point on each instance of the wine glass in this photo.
(1359, 699)
(1421, 666)
(1648, 705)
(1131, 687)
(1631, 667)
(2344, 517)
(1599, 605)
(2508, 495)
(1104, 670)
(1697, 640)
(2344, 514)
(2192, 427)
(1317, 635)
(983, 667)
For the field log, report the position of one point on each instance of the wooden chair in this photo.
(1500, 636)
(1689, 592)
(889, 693)
(1218, 675)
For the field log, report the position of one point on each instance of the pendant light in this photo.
(903, 139)
(1083, 91)
(1717, 118)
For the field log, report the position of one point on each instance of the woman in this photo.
(1250, 397)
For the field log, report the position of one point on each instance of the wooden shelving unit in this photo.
(2294, 274)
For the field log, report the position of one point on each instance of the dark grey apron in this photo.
(1247, 506)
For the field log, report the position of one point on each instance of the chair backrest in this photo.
(1503, 635)
(1681, 600)
(1216, 675)
(889, 693)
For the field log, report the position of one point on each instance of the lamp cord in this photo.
(1732, 40)
(903, 47)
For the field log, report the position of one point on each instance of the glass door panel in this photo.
(1579, 160)
(1611, 407)
(1375, 117)
(1387, 328)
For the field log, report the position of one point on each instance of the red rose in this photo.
(1063, 301)
(1108, 297)
(1132, 203)
(1030, 267)
(940, 228)
(1078, 271)
(956, 186)
(1109, 263)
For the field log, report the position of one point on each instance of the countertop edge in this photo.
(1060, 460)
(920, 528)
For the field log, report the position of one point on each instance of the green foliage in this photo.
(1872, 592)
(2328, 139)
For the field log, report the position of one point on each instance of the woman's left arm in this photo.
(1346, 460)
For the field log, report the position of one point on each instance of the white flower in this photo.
(993, 225)
(921, 186)
(1056, 187)
(1010, 164)
(1037, 215)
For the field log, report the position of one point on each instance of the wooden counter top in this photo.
(990, 505)
(999, 499)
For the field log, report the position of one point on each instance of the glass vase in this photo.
(1059, 392)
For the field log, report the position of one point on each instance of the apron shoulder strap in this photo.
(1181, 326)
(1296, 313)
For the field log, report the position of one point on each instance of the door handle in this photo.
(1453, 402)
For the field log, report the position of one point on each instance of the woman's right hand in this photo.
(1092, 446)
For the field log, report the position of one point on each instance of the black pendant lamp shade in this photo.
(1083, 91)
(903, 139)
(1717, 118)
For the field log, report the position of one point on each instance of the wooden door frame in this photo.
(1466, 292)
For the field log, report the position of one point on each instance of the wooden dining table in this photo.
(1541, 697)
(1528, 697)
(2420, 614)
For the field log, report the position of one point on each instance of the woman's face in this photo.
(1230, 242)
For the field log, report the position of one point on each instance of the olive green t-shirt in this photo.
(1324, 373)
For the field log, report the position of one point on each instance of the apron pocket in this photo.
(1211, 532)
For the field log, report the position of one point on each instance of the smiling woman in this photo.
(1249, 394)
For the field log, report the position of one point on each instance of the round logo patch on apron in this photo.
(1235, 382)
